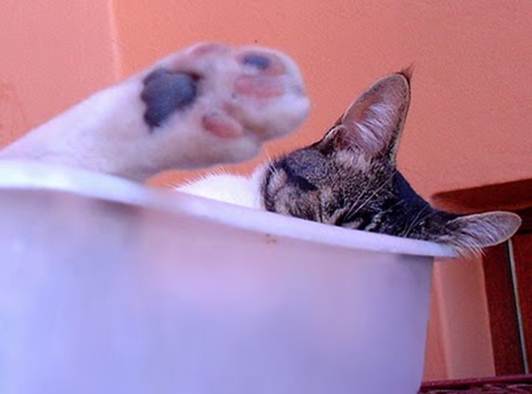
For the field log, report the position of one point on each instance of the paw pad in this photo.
(165, 92)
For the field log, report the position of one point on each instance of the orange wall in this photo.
(53, 54)
(462, 333)
(469, 123)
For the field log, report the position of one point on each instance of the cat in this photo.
(211, 103)
(349, 178)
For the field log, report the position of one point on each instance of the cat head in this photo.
(349, 178)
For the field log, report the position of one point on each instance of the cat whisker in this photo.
(353, 206)
(417, 219)
(384, 184)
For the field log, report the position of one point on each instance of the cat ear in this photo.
(373, 123)
(469, 234)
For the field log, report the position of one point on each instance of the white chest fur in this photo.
(233, 189)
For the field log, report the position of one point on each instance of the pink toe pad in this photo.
(222, 125)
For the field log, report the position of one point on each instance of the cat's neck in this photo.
(233, 189)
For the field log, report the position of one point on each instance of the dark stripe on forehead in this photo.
(296, 179)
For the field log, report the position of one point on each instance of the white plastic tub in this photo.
(110, 287)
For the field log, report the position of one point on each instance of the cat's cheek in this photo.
(222, 125)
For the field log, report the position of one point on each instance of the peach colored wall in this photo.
(463, 331)
(469, 123)
(53, 54)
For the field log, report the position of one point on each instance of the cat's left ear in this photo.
(469, 234)
(373, 123)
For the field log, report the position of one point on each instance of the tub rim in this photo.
(27, 175)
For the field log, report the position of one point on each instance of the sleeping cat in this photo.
(349, 179)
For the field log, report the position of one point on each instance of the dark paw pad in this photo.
(258, 61)
(165, 92)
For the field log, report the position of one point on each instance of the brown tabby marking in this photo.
(349, 178)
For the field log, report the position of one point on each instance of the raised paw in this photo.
(225, 101)
(203, 105)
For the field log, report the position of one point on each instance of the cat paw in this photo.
(201, 106)
(227, 101)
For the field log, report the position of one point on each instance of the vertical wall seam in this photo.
(114, 39)
(519, 315)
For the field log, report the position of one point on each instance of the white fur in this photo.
(233, 189)
(107, 132)
(479, 231)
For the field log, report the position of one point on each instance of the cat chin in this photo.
(232, 189)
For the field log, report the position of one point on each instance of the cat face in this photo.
(349, 178)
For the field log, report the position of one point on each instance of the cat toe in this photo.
(268, 93)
